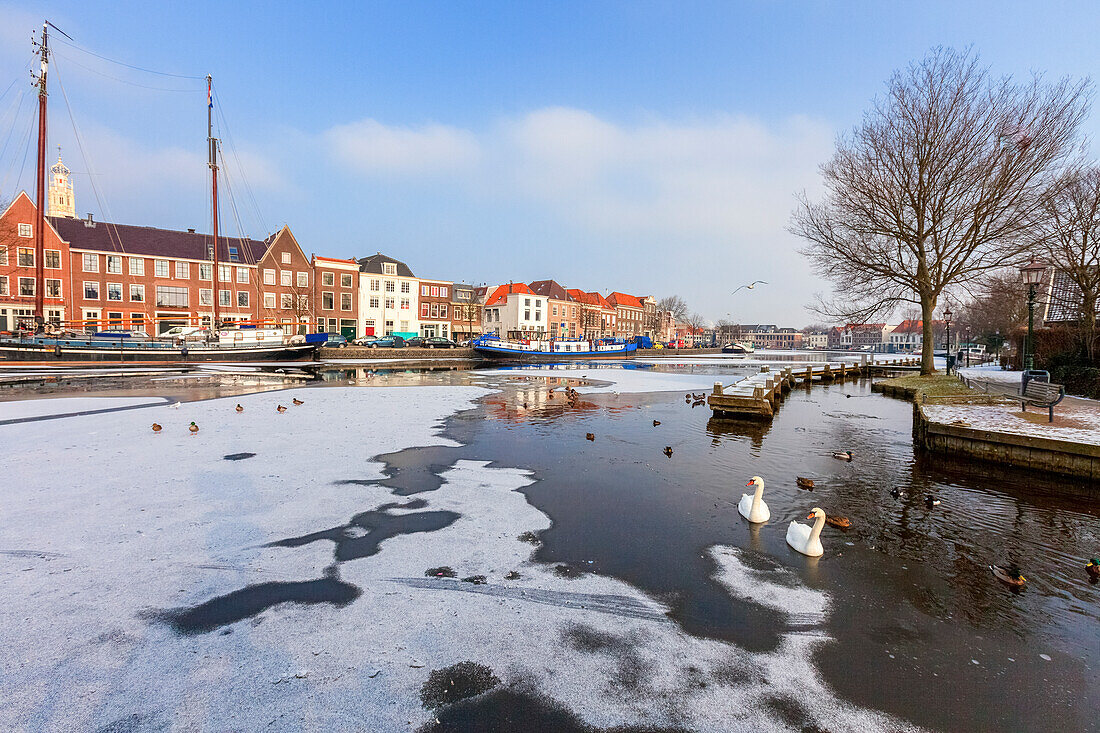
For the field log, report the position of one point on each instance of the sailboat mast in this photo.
(40, 188)
(213, 145)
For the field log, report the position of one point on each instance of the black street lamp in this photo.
(1032, 274)
(968, 345)
(947, 348)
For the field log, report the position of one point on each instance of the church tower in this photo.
(61, 191)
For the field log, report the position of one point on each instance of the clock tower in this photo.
(61, 190)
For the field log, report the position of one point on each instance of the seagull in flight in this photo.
(751, 285)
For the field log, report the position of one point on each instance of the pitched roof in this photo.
(374, 264)
(589, 298)
(620, 300)
(129, 239)
(866, 326)
(1064, 303)
(502, 292)
(549, 289)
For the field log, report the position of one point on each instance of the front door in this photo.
(347, 328)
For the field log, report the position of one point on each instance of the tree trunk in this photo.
(1088, 326)
(928, 346)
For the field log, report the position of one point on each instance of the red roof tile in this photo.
(501, 293)
(622, 299)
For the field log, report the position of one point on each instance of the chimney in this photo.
(88, 222)
(190, 230)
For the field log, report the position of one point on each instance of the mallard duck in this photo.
(280, 408)
(842, 522)
(1009, 575)
(239, 408)
(931, 501)
(193, 428)
(157, 428)
(668, 451)
(297, 401)
(1092, 567)
(698, 396)
(656, 423)
(843, 455)
(589, 436)
(805, 483)
(895, 492)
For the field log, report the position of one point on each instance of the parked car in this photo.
(387, 342)
(335, 341)
(678, 344)
(431, 342)
(364, 341)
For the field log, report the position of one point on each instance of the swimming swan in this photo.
(804, 539)
(752, 506)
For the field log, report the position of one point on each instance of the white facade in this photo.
(389, 303)
(815, 340)
(517, 314)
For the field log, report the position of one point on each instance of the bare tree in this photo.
(468, 313)
(675, 305)
(1070, 239)
(937, 186)
(696, 323)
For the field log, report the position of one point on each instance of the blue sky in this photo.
(648, 147)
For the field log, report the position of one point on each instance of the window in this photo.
(26, 286)
(284, 278)
(171, 297)
(443, 292)
(285, 257)
(269, 300)
(137, 266)
(303, 279)
(233, 256)
(389, 327)
(435, 291)
(391, 303)
(91, 262)
(328, 280)
(114, 291)
(374, 285)
(286, 301)
(526, 315)
(91, 290)
(225, 297)
(527, 302)
(269, 277)
(406, 287)
(404, 326)
(435, 310)
(53, 259)
(137, 293)
(389, 286)
(242, 275)
(3, 255)
(373, 302)
(26, 231)
(137, 321)
(3, 284)
(423, 310)
(160, 268)
(183, 271)
(114, 319)
(389, 268)
(206, 272)
(326, 301)
(345, 301)
(442, 310)
(114, 264)
(206, 296)
(538, 315)
(242, 298)
(225, 274)
(25, 258)
(424, 290)
(405, 304)
(345, 280)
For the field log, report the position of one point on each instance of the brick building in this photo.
(465, 311)
(563, 313)
(18, 269)
(435, 308)
(335, 298)
(629, 315)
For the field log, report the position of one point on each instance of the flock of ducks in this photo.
(193, 428)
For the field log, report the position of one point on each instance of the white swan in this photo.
(804, 539)
(752, 506)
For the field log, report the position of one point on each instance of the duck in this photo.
(525, 405)
(931, 501)
(656, 423)
(589, 436)
(239, 408)
(752, 506)
(280, 408)
(843, 455)
(193, 428)
(842, 522)
(895, 492)
(698, 396)
(1009, 575)
(157, 428)
(804, 483)
(297, 401)
(1092, 567)
(806, 540)
(668, 451)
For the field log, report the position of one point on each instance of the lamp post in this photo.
(947, 346)
(968, 345)
(1032, 274)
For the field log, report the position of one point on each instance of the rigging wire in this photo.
(223, 122)
(128, 66)
(120, 80)
(26, 147)
(112, 229)
(16, 110)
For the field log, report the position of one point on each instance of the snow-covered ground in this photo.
(607, 379)
(1076, 423)
(143, 591)
(22, 409)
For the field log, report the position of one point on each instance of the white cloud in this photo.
(377, 149)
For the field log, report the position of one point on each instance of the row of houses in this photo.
(99, 275)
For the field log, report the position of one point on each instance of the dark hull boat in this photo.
(60, 350)
(552, 351)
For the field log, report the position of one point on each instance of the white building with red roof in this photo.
(514, 311)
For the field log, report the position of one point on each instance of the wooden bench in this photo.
(1042, 394)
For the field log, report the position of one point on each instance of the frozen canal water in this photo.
(292, 571)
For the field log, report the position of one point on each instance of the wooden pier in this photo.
(758, 396)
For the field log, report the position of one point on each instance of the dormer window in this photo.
(233, 256)
(388, 268)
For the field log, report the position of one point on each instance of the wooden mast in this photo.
(213, 145)
(40, 189)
